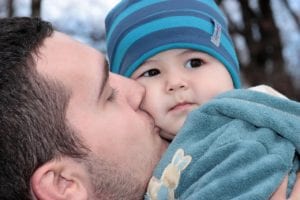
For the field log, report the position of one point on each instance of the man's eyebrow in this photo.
(104, 78)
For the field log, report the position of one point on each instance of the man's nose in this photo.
(136, 94)
(132, 92)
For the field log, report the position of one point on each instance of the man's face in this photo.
(104, 108)
(178, 81)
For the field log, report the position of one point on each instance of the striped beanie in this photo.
(139, 29)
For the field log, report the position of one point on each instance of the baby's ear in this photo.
(59, 180)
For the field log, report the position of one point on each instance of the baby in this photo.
(183, 57)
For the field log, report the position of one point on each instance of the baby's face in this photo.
(178, 81)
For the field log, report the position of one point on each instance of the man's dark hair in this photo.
(33, 127)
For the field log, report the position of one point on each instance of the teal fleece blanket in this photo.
(240, 145)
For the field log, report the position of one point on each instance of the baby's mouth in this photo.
(181, 106)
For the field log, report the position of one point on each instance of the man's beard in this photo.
(111, 182)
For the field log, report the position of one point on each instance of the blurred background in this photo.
(266, 33)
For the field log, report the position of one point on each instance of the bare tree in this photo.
(266, 65)
(36, 8)
(10, 8)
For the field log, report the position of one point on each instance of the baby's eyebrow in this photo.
(190, 51)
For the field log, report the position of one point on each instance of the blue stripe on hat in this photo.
(181, 35)
(124, 13)
(212, 4)
(169, 22)
(133, 16)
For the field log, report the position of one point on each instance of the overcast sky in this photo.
(55, 6)
(78, 18)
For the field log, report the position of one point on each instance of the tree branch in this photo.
(294, 15)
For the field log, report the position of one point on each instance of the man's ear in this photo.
(60, 179)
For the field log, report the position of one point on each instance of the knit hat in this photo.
(139, 29)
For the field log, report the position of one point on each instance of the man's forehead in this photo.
(75, 65)
(60, 53)
(54, 48)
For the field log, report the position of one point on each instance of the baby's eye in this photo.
(194, 62)
(150, 73)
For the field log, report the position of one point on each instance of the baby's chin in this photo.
(167, 135)
(169, 132)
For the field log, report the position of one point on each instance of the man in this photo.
(69, 128)
(65, 132)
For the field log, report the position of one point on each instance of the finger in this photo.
(280, 193)
(295, 195)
